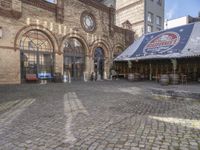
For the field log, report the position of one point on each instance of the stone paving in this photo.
(107, 115)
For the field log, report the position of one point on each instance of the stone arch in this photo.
(118, 45)
(99, 43)
(103, 44)
(79, 38)
(38, 47)
(84, 56)
(40, 28)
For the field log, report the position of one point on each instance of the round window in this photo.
(88, 22)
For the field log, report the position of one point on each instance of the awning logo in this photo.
(162, 44)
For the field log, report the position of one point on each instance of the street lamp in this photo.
(1, 32)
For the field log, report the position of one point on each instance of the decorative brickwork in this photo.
(6, 4)
(6, 9)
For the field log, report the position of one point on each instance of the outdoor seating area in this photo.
(169, 57)
(161, 71)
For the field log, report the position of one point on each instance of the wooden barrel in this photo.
(136, 76)
(164, 79)
(174, 78)
(131, 77)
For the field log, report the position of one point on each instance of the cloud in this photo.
(171, 12)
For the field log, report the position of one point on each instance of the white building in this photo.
(180, 21)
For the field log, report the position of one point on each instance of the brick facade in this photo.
(59, 22)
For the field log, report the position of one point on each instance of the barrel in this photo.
(164, 79)
(174, 78)
(133, 76)
(136, 76)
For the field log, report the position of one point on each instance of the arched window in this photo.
(35, 40)
(99, 54)
(37, 54)
(118, 50)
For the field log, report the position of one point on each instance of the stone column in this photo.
(106, 68)
(87, 67)
(58, 64)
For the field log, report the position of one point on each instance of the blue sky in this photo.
(179, 8)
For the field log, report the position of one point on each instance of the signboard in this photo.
(165, 42)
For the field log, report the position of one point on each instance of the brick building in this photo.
(38, 37)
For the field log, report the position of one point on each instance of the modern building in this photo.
(181, 21)
(141, 16)
(41, 39)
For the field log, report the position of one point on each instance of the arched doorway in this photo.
(74, 58)
(99, 59)
(37, 55)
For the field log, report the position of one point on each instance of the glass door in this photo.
(74, 59)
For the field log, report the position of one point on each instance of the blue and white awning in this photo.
(179, 42)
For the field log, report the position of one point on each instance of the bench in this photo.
(31, 77)
(44, 76)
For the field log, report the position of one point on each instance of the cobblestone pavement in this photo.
(108, 115)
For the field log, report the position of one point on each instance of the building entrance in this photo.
(74, 58)
(99, 63)
(37, 56)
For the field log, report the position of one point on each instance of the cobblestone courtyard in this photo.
(104, 115)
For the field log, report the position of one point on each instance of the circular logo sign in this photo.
(162, 44)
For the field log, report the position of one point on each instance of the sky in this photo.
(179, 8)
